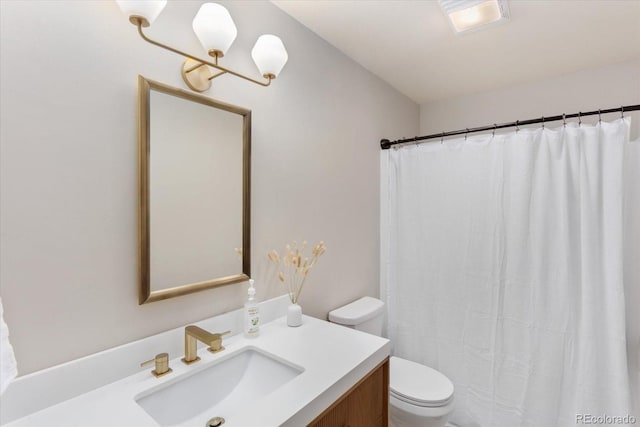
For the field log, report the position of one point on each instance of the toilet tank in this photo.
(365, 314)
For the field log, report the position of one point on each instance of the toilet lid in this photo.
(418, 384)
(357, 312)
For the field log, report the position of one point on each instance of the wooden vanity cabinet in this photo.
(364, 405)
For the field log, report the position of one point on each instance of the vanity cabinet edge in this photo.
(366, 404)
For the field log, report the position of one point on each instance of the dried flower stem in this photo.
(297, 266)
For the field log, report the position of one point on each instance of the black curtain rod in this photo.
(385, 144)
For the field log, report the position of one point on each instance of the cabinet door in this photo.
(336, 416)
(365, 405)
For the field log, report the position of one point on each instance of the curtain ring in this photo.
(579, 118)
(622, 111)
(466, 134)
(599, 116)
(542, 122)
(494, 129)
(564, 120)
(442, 138)
(517, 125)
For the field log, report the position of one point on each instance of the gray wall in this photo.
(588, 90)
(68, 205)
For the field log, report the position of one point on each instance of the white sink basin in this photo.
(221, 389)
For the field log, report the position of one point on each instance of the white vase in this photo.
(294, 315)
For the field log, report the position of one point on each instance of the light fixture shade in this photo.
(147, 9)
(214, 27)
(269, 55)
(467, 15)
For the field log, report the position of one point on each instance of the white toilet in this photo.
(419, 396)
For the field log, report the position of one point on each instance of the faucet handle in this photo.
(162, 364)
(216, 345)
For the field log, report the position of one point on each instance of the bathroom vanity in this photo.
(318, 374)
(364, 405)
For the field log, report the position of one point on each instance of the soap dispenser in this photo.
(251, 313)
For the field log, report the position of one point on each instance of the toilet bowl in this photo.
(419, 396)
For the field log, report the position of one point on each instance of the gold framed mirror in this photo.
(194, 192)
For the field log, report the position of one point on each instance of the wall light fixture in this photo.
(468, 15)
(216, 31)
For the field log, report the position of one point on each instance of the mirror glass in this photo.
(194, 192)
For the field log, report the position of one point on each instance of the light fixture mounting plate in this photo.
(199, 78)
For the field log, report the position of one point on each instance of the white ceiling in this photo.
(411, 45)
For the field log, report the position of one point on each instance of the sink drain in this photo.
(215, 422)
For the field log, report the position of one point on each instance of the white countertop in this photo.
(334, 358)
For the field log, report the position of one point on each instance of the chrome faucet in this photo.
(193, 334)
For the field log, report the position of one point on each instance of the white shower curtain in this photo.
(506, 272)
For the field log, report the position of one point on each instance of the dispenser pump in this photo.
(252, 291)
